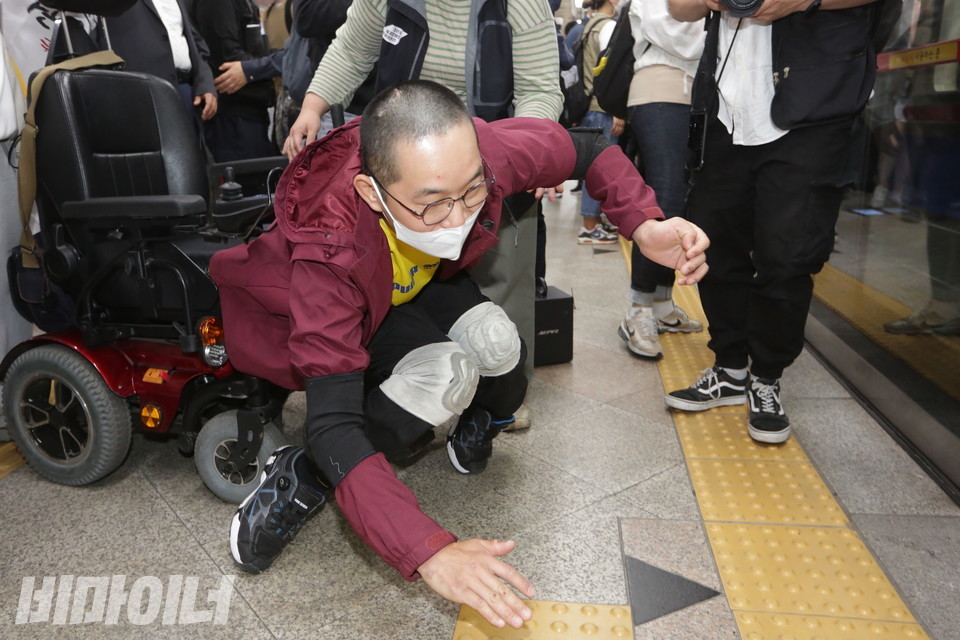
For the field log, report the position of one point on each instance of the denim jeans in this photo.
(590, 208)
(660, 131)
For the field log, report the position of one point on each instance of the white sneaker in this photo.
(639, 331)
(677, 321)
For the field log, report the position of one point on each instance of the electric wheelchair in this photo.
(128, 224)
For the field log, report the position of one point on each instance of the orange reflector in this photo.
(210, 331)
(156, 376)
(151, 416)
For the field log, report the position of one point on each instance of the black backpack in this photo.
(611, 85)
(576, 101)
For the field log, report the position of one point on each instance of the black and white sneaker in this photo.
(768, 421)
(714, 388)
(470, 442)
(268, 519)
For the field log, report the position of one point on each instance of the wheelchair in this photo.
(128, 225)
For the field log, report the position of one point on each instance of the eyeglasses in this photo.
(436, 212)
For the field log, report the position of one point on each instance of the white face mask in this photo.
(440, 242)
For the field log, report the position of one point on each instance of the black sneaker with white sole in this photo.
(268, 519)
(714, 388)
(470, 442)
(768, 422)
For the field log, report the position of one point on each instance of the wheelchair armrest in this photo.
(234, 216)
(133, 208)
(246, 167)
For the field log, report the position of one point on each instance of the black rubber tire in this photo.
(214, 443)
(85, 437)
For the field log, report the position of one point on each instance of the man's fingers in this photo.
(516, 610)
(477, 601)
(696, 276)
(503, 600)
(513, 577)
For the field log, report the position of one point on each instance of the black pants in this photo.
(770, 212)
(422, 321)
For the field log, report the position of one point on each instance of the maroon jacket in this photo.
(305, 299)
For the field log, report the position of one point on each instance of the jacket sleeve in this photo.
(269, 66)
(199, 58)
(541, 153)
(387, 517)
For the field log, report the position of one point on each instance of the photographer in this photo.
(776, 94)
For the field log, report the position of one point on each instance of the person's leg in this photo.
(721, 203)
(799, 182)
(491, 341)
(412, 363)
(591, 232)
(660, 132)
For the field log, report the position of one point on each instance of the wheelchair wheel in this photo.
(67, 423)
(216, 442)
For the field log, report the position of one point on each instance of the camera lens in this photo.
(741, 8)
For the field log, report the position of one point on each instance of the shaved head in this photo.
(407, 112)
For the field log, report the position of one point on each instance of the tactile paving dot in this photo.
(758, 491)
(555, 620)
(811, 571)
(723, 434)
(778, 626)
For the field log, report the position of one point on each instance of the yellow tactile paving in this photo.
(720, 434)
(868, 310)
(552, 620)
(802, 570)
(791, 565)
(761, 626)
(10, 458)
(765, 492)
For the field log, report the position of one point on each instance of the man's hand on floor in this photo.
(469, 572)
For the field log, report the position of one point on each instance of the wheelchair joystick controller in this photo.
(230, 189)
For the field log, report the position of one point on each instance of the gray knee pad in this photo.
(434, 382)
(486, 333)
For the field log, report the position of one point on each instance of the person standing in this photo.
(778, 92)
(666, 52)
(595, 38)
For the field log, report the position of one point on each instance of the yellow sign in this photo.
(942, 52)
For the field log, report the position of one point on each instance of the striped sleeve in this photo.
(352, 53)
(536, 61)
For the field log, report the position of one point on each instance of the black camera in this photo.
(741, 8)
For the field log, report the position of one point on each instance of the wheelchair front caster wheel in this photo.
(66, 422)
(215, 443)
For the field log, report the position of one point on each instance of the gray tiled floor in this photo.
(600, 474)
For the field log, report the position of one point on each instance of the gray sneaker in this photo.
(597, 235)
(639, 332)
(677, 321)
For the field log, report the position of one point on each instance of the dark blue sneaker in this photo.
(470, 442)
(269, 518)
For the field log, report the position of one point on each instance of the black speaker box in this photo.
(554, 328)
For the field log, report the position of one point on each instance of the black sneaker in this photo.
(470, 442)
(714, 388)
(768, 421)
(270, 517)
